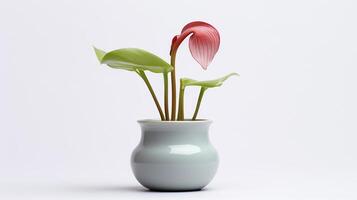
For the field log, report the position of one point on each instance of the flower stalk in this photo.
(166, 97)
(173, 85)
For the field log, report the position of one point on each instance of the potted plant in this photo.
(174, 153)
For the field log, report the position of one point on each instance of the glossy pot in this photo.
(174, 155)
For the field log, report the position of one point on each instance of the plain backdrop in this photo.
(285, 129)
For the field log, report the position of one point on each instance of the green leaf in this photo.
(206, 84)
(99, 53)
(133, 59)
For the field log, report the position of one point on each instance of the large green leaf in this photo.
(206, 84)
(133, 59)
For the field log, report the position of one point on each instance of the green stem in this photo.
(181, 114)
(146, 80)
(173, 86)
(202, 91)
(166, 97)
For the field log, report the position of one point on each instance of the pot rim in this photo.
(186, 121)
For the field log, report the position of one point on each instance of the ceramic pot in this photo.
(174, 155)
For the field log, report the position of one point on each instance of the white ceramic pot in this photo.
(174, 155)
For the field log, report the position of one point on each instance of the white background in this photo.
(285, 129)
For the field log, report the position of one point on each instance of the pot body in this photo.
(174, 155)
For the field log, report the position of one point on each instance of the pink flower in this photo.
(203, 43)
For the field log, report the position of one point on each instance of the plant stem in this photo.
(144, 77)
(166, 97)
(173, 86)
(176, 41)
(202, 91)
(181, 114)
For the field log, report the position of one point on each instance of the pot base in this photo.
(165, 190)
